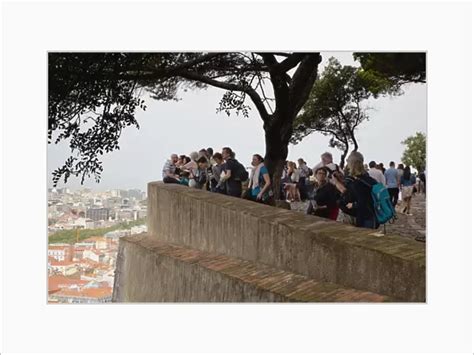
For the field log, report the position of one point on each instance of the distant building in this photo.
(98, 214)
(99, 242)
(65, 268)
(136, 194)
(92, 255)
(60, 252)
(86, 295)
(58, 282)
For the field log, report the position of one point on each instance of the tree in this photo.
(415, 151)
(93, 96)
(335, 106)
(397, 68)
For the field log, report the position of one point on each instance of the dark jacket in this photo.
(359, 194)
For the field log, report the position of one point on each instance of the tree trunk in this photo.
(343, 158)
(277, 138)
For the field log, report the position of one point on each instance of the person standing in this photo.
(304, 173)
(423, 181)
(232, 182)
(292, 192)
(200, 176)
(217, 172)
(259, 182)
(326, 161)
(356, 196)
(375, 173)
(407, 183)
(393, 182)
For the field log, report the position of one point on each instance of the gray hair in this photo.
(327, 155)
(194, 156)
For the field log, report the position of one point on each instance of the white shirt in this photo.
(377, 175)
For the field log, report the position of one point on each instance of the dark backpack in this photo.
(241, 173)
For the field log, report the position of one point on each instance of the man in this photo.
(232, 183)
(375, 173)
(326, 161)
(169, 169)
(393, 182)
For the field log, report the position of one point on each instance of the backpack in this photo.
(242, 173)
(383, 207)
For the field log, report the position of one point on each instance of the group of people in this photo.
(332, 193)
(220, 173)
(347, 195)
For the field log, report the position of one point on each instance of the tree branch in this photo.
(303, 81)
(229, 86)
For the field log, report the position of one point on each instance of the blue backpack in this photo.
(383, 208)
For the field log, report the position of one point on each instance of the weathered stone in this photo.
(154, 271)
(313, 247)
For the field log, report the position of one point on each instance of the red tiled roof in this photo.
(95, 239)
(87, 292)
(56, 247)
(62, 263)
(58, 282)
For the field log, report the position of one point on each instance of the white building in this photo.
(139, 229)
(60, 252)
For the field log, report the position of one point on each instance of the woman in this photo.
(200, 175)
(259, 181)
(217, 171)
(325, 201)
(407, 183)
(356, 195)
(292, 193)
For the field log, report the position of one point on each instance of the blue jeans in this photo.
(370, 223)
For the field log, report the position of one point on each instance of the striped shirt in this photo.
(169, 167)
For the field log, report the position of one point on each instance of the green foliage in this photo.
(88, 107)
(69, 236)
(334, 106)
(94, 96)
(395, 69)
(415, 151)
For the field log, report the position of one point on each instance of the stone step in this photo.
(317, 248)
(150, 270)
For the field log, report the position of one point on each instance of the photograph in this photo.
(237, 177)
(246, 176)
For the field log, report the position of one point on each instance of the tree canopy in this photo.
(415, 151)
(398, 68)
(336, 105)
(94, 96)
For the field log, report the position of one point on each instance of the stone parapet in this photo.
(316, 248)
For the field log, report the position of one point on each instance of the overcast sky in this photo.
(192, 123)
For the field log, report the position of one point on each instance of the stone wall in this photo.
(312, 247)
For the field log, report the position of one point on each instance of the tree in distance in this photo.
(336, 105)
(415, 151)
(337, 102)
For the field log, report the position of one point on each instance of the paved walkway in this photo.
(413, 227)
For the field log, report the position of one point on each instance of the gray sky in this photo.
(192, 123)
